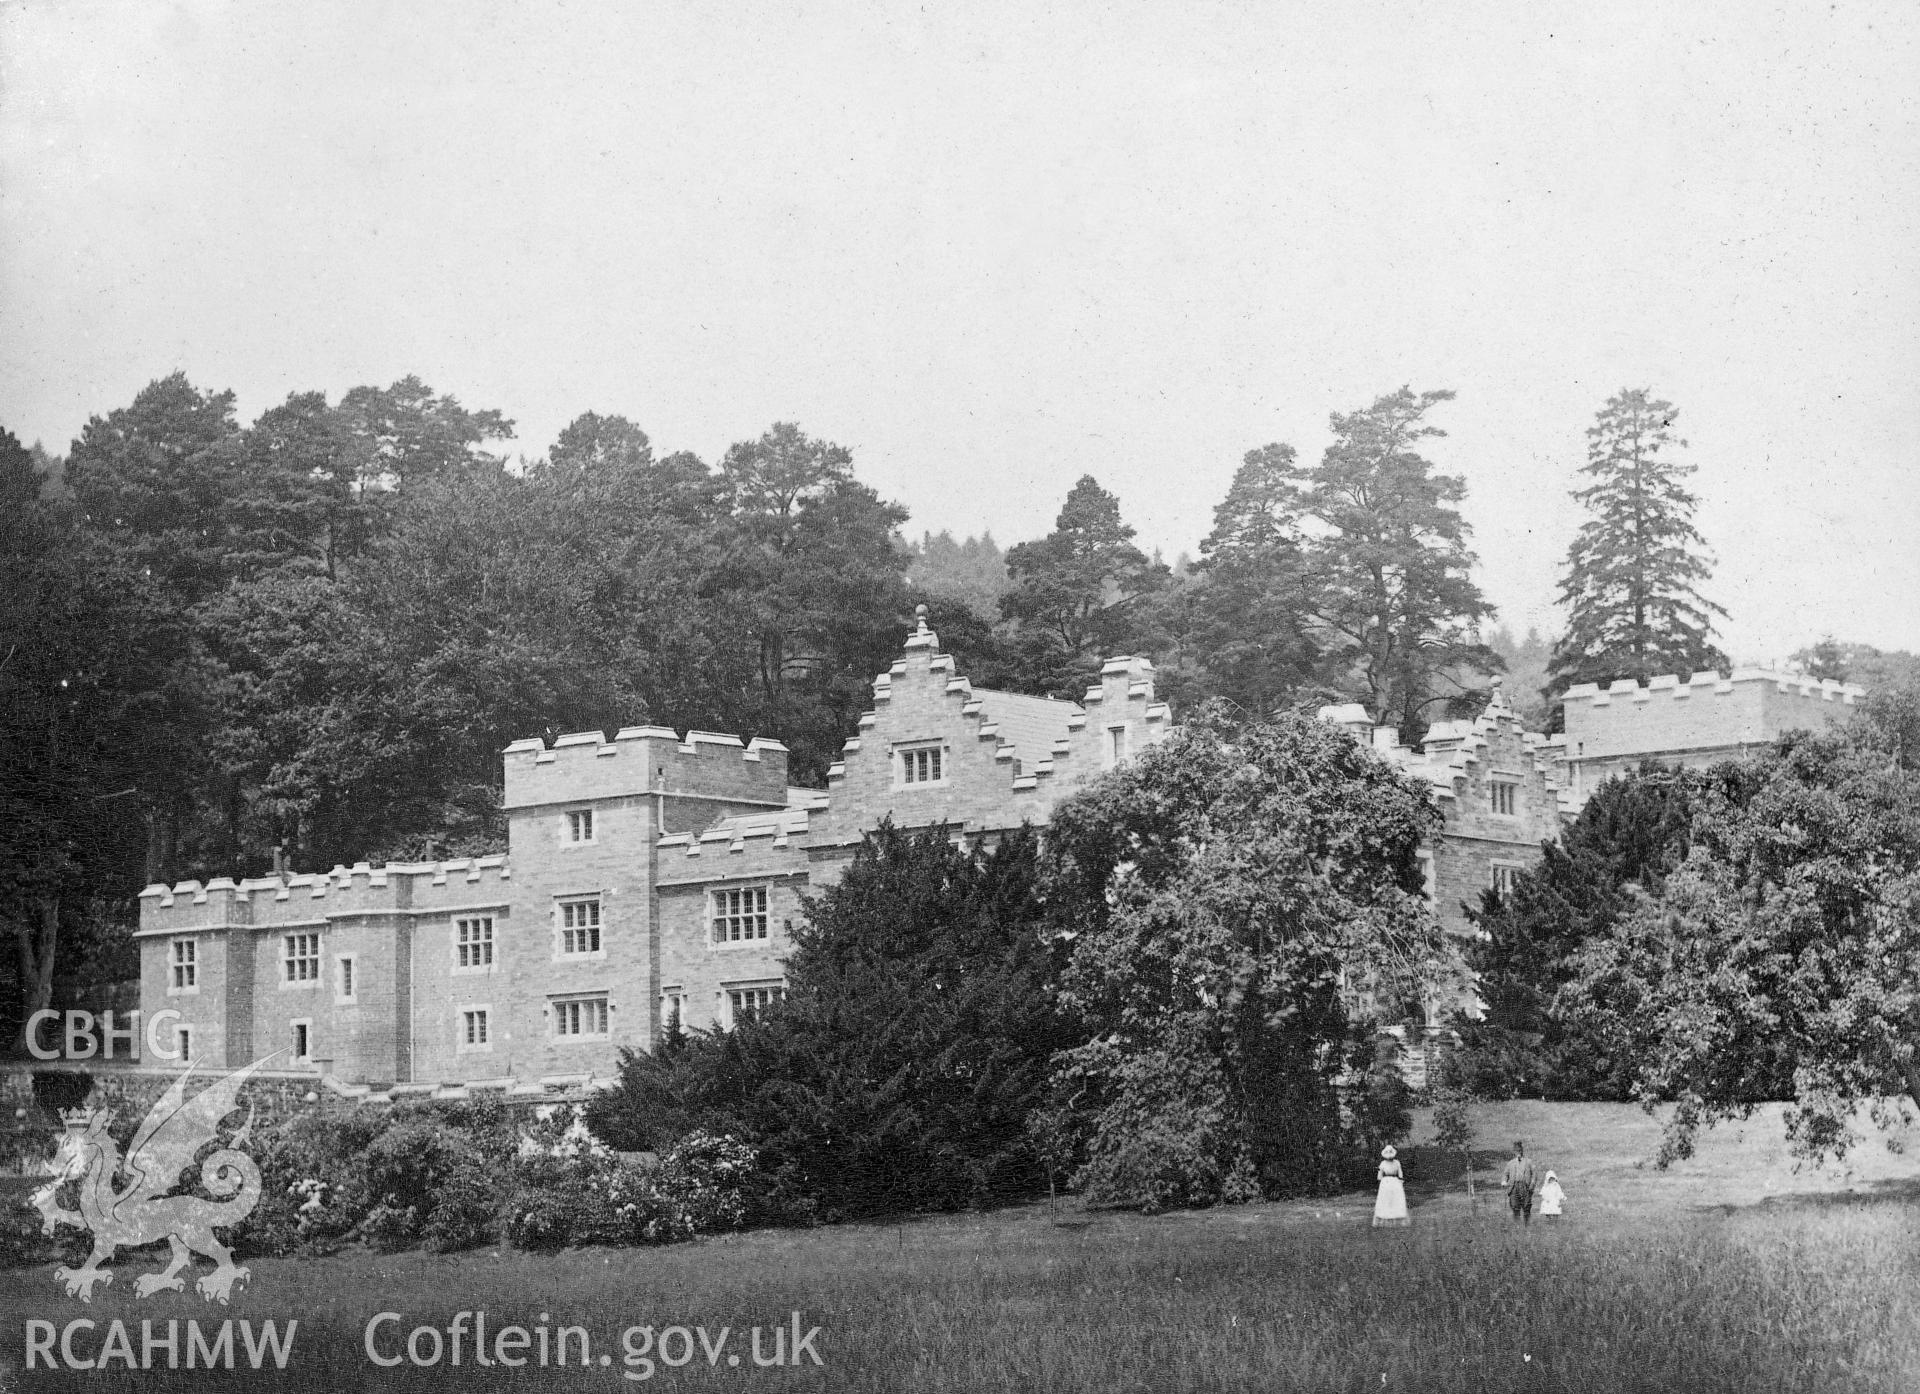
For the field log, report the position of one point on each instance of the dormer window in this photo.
(1116, 751)
(580, 825)
(921, 764)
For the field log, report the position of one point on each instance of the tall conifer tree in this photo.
(1396, 608)
(1632, 586)
(1253, 609)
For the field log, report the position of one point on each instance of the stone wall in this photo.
(1696, 721)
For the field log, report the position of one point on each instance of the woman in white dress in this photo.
(1390, 1207)
(1551, 1195)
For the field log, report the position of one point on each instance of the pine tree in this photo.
(1253, 610)
(1633, 573)
(1076, 593)
(1397, 610)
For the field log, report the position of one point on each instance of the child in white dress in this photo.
(1551, 1195)
(1390, 1207)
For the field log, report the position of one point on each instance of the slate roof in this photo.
(1030, 724)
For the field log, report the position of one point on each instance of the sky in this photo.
(992, 246)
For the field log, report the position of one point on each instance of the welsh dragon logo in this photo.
(141, 1211)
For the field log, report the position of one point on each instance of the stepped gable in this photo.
(1003, 758)
(1456, 754)
(1454, 751)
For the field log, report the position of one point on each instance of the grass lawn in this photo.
(1730, 1272)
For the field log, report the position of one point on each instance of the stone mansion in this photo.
(655, 876)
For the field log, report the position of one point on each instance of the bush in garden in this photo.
(705, 1178)
(646, 1215)
(558, 1202)
(566, 1183)
(466, 1212)
(541, 1220)
(570, 1188)
(385, 1175)
(407, 1170)
(312, 1188)
(56, 1091)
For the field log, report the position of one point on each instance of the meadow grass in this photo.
(1725, 1277)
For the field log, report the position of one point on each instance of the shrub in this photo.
(57, 1090)
(383, 1174)
(566, 1185)
(541, 1219)
(705, 1178)
(466, 1211)
(560, 1201)
(404, 1167)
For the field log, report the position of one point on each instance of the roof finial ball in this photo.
(920, 618)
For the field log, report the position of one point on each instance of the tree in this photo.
(290, 506)
(1254, 604)
(1827, 661)
(1631, 588)
(1632, 832)
(1244, 908)
(973, 572)
(1526, 674)
(1396, 611)
(1785, 951)
(817, 588)
(1076, 594)
(1873, 669)
(914, 1043)
(151, 479)
(87, 647)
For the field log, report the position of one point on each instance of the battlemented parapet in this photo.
(1698, 721)
(268, 902)
(644, 760)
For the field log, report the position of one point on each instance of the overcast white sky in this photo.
(992, 247)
